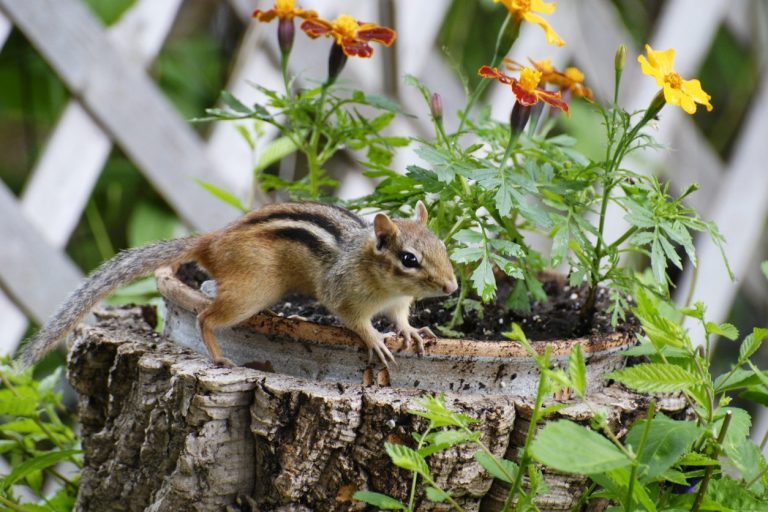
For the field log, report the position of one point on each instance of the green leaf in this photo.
(483, 280)
(751, 344)
(407, 458)
(35, 464)
(658, 261)
(577, 370)
(275, 151)
(747, 458)
(655, 378)
(378, 500)
(740, 378)
(725, 330)
(229, 100)
(499, 468)
(764, 268)
(22, 401)
(733, 494)
(667, 441)
(617, 482)
(435, 494)
(571, 448)
(222, 194)
(452, 437)
(469, 236)
(560, 245)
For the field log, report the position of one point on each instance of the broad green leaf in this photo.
(275, 151)
(222, 194)
(667, 441)
(751, 343)
(452, 437)
(35, 464)
(467, 254)
(725, 330)
(577, 370)
(655, 378)
(500, 468)
(407, 458)
(469, 236)
(740, 378)
(378, 500)
(747, 458)
(738, 430)
(435, 494)
(571, 448)
(733, 494)
(617, 481)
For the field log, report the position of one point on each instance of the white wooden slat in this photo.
(37, 275)
(148, 129)
(5, 29)
(740, 210)
(61, 183)
(13, 325)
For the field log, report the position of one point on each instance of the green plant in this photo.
(34, 439)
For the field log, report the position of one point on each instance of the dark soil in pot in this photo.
(556, 319)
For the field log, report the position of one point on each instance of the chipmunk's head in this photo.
(416, 260)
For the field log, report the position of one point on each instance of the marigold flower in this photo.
(284, 10)
(526, 10)
(526, 88)
(678, 92)
(353, 36)
(571, 80)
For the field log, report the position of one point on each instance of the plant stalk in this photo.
(708, 473)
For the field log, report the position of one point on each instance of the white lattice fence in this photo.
(115, 102)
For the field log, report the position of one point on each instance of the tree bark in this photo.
(165, 430)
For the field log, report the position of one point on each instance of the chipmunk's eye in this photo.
(408, 259)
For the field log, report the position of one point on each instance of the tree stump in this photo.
(166, 430)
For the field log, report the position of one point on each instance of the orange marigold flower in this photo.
(353, 36)
(570, 80)
(683, 93)
(526, 88)
(284, 10)
(526, 10)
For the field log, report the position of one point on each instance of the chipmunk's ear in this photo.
(421, 215)
(384, 229)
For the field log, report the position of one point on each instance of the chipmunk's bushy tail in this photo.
(124, 268)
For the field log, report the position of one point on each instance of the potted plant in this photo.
(489, 186)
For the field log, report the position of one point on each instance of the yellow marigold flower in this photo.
(351, 35)
(527, 9)
(682, 93)
(571, 80)
(284, 10)
(526, 88)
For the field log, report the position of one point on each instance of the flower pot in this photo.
(326, 353)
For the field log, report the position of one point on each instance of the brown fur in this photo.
(320, 250)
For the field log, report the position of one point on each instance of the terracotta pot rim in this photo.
(173, 289)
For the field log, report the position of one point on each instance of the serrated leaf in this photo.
(483, 280)
(467, 254)
(577, 370)
(571, 448)
(222, 194)
(669, 250)
(658, 261)
(560, 245)
(452, 437)
(469, 236)
(499, 468)
(275, 151)
(725, 330)
(379, 500)
(35, 464)
(655, 378)
(407, 458)
(752, 343)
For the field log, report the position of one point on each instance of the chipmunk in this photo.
(354, 269)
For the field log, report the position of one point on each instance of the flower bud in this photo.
(336, 61)
(436, 106)
(285, 33)
(657, 103)
(519, 118)
(621, 58)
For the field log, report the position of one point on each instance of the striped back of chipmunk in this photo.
(322, 228)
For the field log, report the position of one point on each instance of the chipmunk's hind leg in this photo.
(231, 308)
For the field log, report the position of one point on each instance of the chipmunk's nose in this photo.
(450, 286)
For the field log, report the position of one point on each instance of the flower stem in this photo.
(708, 473)
(312, 156)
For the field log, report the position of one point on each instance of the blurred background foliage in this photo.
(192, 69)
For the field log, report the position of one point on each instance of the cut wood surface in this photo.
(166, 430)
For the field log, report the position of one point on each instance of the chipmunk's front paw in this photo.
(410, 334)
(224, 362)
(380, 347)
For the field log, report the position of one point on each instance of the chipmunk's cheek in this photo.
(450, 287)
